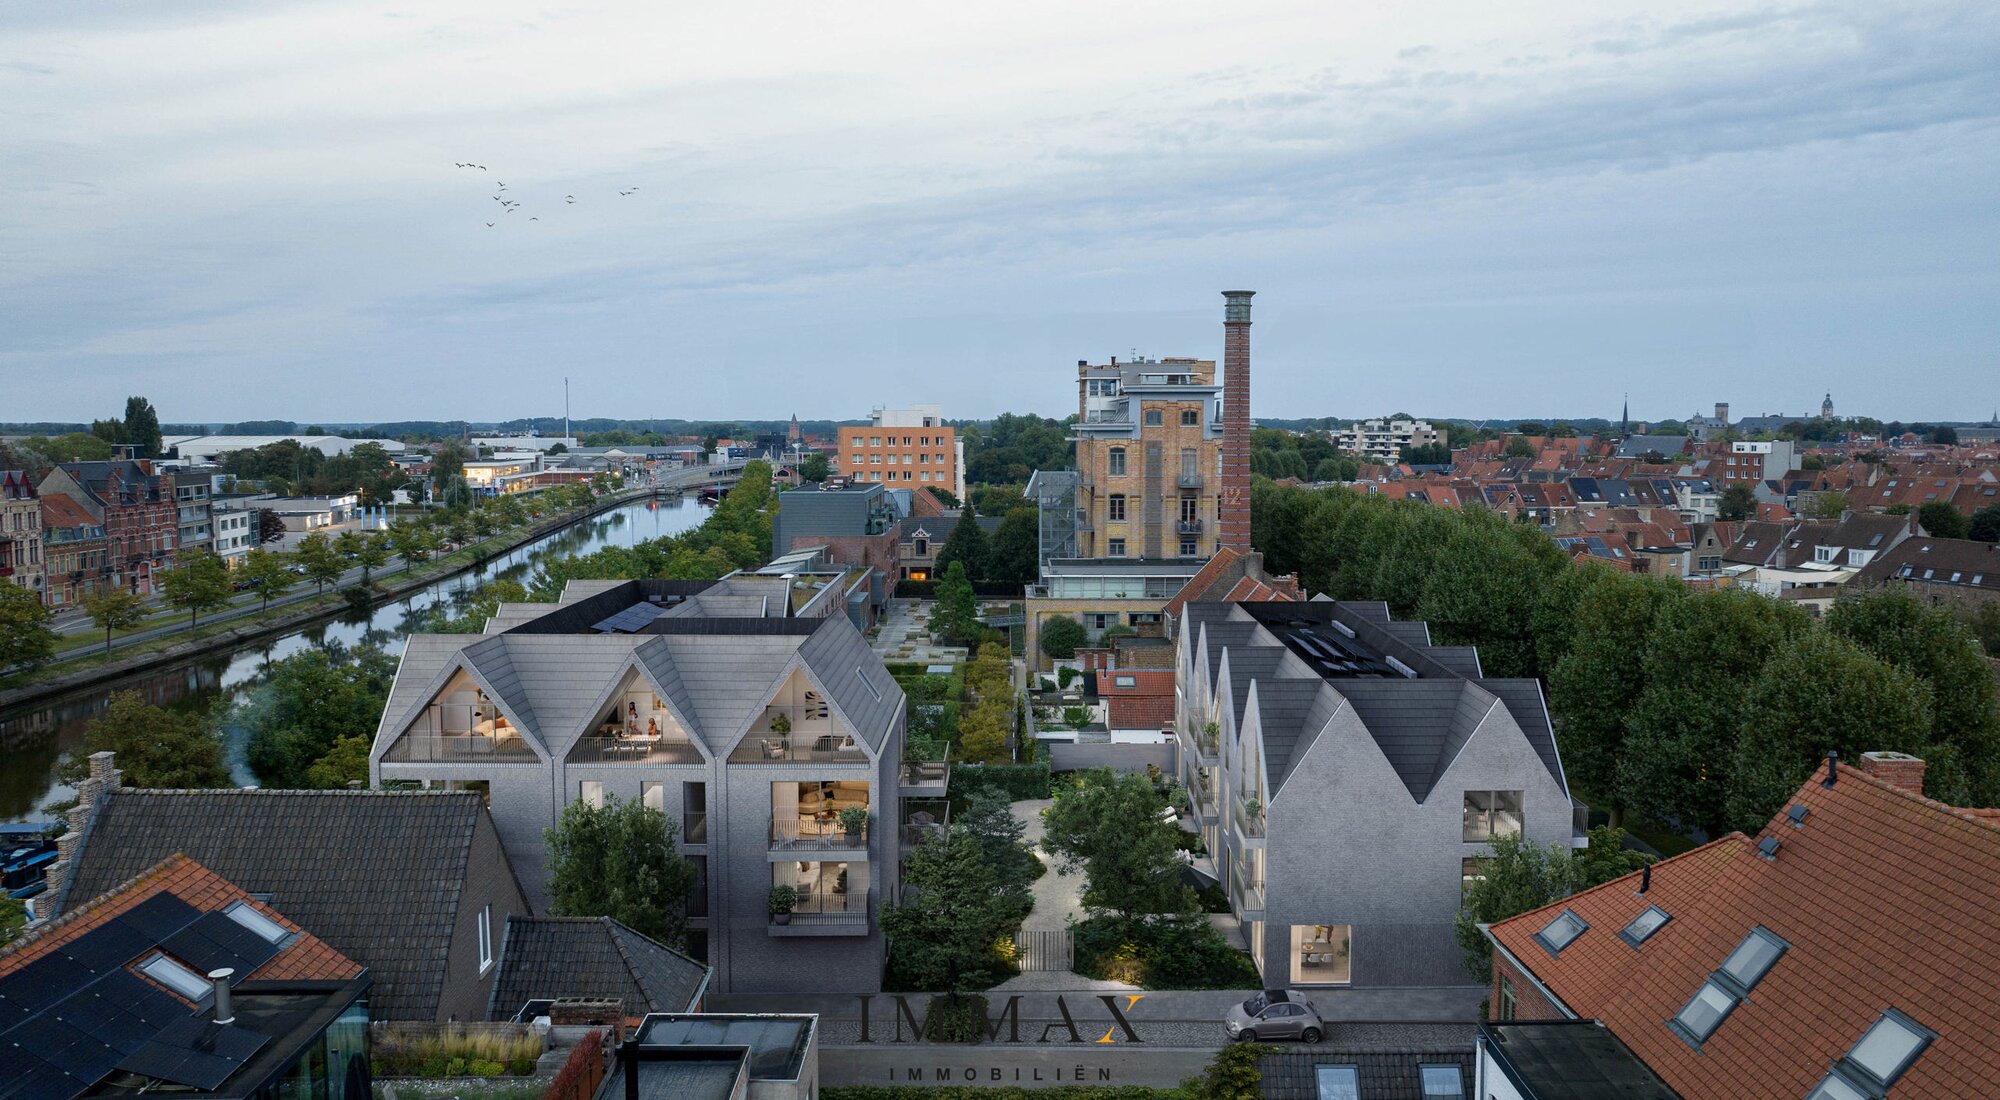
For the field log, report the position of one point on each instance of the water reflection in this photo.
(33, 739)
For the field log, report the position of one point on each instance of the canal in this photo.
(35, 737)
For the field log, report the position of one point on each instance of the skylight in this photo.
(1644, 925)
(247, 916)
(1753, 957)
(1442, 1082)
(1888, 1048)
(176, 977)
(1561, 932)
(1337, 1082)
(1711, 1005)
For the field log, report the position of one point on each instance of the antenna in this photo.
(565, 437)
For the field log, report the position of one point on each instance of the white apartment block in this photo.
(1385, 439)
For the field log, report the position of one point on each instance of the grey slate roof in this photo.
(1384, 1074)
(595, 957)
(376, 874)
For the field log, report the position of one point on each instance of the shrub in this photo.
(1017, 781)
(453, 1050)
(1176, 952)
(1061, 636)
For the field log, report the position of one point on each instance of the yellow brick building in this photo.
(1148, 455)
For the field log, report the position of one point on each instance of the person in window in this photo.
(652, 727)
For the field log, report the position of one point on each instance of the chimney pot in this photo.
(628, 1058)
(224, 1013)
(1899, 768)
(1645, 878)
(1832, 768)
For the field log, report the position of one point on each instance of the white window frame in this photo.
(485, 939)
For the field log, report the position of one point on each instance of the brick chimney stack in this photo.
(1232, 519)
(1899, 768)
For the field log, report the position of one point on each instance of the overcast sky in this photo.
(250, 209)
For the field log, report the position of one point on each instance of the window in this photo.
(1115, 460)
(1491, 813)
(1885, 1050)
(1836, 1088)
(176, 977)
(1115, 548)
(1115, 508)
(1125, 681)
(1711, 1005)
(1644, 925)
(485, 938)
(1470, 870)
(591, 791)
(1337, 1082)
(1188, 548)
(1155, 418)
(1561, 932)
(1441, 1082)
(654, 796)
(1190, 418)
(1507, 999)
(1753, 958)
(874, 441)
(245, 914)
(1322, 954)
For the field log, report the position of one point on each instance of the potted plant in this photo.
(780, 903)
(915, 755)
(840, 883)
(781, 723)
(1252, 809)
(852, 820)
(1210, 733)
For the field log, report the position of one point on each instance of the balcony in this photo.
(460, 733)
(1202, 797)
(1188, 526)
(1249, 887)
(924, 820)
(1249, 826)
(926, 768)
(622, 748)
(1188, 481)
(818, 834)
(1203, 744)
(826, 914)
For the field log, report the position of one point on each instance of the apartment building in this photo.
(194, 519)
(1148, 458)
(1750, 462)
(77, 560)
(1346, 775)
(1845, 951)
(236, 532)
(21, 548)
(749, 710)
(136, 507)
(908, 448)
(1386, 439)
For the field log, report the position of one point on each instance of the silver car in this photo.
(1275, 1014)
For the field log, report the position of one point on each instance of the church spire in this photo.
(1625, 417)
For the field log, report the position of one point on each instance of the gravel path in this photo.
(1058, 901)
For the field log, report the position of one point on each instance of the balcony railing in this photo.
(926, 766)
(1188, 526)
(1188, 481)
(831, 908)
(1247, 824)
(1204, 798)
(924, 820)
(1203, 744)
(816, 835)
(1249, 886)
(455, 732)
(766, 747)
(621, 748)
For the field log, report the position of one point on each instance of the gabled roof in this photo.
(377, 874)
(591, 957)
(1392, 1074)
(1886, 900)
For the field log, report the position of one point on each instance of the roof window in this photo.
(1711, 1005)
(1754, 957)
(176, 977)
(245, 914)
(1333, 1082)
(1644, 925)
(1888, 1048)
(1441, 1082)
(1561, 932)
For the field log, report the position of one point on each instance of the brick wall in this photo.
(1529, 1004)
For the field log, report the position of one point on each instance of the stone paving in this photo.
(903, 635)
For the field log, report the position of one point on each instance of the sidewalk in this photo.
(904, 636)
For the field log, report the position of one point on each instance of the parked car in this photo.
(1275, 1014)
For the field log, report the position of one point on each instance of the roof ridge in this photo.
(1733, 837)
(71, 914)
(329, 791)
(1962, 813)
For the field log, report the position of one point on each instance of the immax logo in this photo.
(1118, 1027)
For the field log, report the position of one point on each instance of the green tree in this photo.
(966, 543)
(943, 935)
(1519, 447)
(142, 427)
(955, 615)
(1427, 454)
(1061, 636)
(449, 462)
(1828, 505)
(114, 609)
(1474, 595)
(13, 919)
(1233, 1074)
(25, 636)
(1943, 521)
(345, 764)
(1518, 875)
(618, 861)
(1592, 687)
(413, 543)
(1738, 502)
(1985, 525)
(814, 468)
(1014, 557)
(1944, 435)
(323, 566)
(1929, 643)
(1114, 830)
(371, 554)
(266, 574)
(198, 582)
(1821, 693)
(303, 705)
(156, 748)
(988, 818)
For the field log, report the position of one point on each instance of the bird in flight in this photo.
(533, 219)
(489, 225)
(626, 192)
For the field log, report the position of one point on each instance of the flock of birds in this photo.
(508, 206)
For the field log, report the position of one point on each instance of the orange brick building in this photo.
(904, 449)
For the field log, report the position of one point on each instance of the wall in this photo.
(1147, 704)
(1529, 1004)
(489, 881)
(942, 451)
(1066, 756)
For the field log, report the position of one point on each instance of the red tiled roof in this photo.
(306, 959)
(1887, 900)
(60, 511)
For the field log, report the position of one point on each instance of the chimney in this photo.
(1232, 521)
(224, 1013)
(628, 1060)
(1832, 769)
(1899, 768)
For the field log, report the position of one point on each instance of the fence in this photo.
(1043, 951)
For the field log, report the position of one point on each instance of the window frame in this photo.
(258, 923)
(1153, 418)
(1634, 939)
(1688, 1034)
(1489, 812)
(1114, 548)
(1424, 1072)
(1114, 462)
(1555, 950)
(1115, 508)
(486, 959)
(1866, 1078)
(1742, 986)
(200, 990)
(1353, 1075)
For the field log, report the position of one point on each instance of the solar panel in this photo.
(160, 916)
(214, 941)
(195, 1052)
(108, 947)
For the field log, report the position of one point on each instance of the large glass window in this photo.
(1491, 813)
(1321, 954)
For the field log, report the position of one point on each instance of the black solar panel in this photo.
(195, 1052)
(107, 947)
(214, 941)
(159, 916)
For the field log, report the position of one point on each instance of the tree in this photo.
(955, 616)
(1518, 875)
(198, 582)
(1821, 693)
(266, 574)
(1014, 557)
(1738, 502)
(966, 543)
(13, 919)
(270, 527)
(305, 704)
(559, 449)
(1061, 636)
(1519, 447)
(412, 542)
(25, 637)
(1944, 436)
(988, 818)
(1985, 525)
(943, 935)
(371, 554)
(114, 609)
(1830, 504)
(142, 427)
(1233, 1074)
(1591, 689)
(315, 554)
(1115, 831)
(1425, 454)
(156, 748)
(814, 467)
(449, 461)
(618, 861)
(1943, 521)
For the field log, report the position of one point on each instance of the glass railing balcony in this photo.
(1188, 526)
(459, 732)
(816, 834)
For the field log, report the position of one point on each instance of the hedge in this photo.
(1018, 782)
(1161, 952)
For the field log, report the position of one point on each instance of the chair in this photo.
(774, 748)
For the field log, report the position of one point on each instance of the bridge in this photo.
(707, 480)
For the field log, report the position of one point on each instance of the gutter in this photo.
(1547, 993)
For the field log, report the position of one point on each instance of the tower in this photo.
(793, 435)
(1826, 408)
(1625, 417)
(1233, 510)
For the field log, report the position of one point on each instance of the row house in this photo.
(21, 551)
(79, 561)
(749, 711)
(136, 508)
(1952, 572)
(194, 520)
